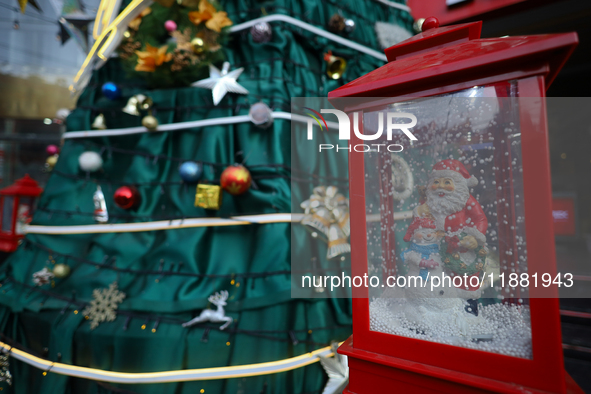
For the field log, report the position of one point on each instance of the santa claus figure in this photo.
(459, 215)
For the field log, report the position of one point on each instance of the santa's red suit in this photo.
(470, 220)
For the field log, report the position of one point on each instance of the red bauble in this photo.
(235, 179)
(127, 197)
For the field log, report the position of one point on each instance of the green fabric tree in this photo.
(159, 270)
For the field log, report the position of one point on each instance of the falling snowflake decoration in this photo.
(104, 305)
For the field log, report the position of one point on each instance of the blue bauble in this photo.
(111, 91)
(191, 171)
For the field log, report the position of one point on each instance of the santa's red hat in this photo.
(416, 224)
(453, 169)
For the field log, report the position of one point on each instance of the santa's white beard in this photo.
(449, 203)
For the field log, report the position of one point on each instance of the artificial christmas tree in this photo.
(141, 247)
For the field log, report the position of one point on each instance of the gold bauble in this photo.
(198, 45)
(61, 270)
(447, 260)
(51, 161)
(150, 122)
(456, 256)
(482, 252)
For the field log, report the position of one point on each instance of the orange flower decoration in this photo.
(219, 20)
(135, 23)
(151, 58)
(214, 20)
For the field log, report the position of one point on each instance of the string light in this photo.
(108, 263)
(258, 333)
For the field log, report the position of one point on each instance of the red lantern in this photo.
(17, 203)
(492, 155)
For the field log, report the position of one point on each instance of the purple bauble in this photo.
(170, 26)
(52, 150)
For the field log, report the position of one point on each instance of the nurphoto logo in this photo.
(392, 120)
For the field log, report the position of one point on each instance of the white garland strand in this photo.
(165, 224)
(312, 29)
(169, 376)
(186, 223)
(392, 4)
(187, 125)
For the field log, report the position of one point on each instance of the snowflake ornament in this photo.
(42, 277)
(104, 305)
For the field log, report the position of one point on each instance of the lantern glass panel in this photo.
(7, 206)
(24, 214)
(445, 221)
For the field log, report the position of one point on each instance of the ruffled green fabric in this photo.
(51, 324)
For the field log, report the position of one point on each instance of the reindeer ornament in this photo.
(217, 316)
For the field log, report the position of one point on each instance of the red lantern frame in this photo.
(24, 187)
(437, 61)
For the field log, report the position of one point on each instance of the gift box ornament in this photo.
(208, 196)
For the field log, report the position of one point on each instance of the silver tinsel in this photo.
(261, 32)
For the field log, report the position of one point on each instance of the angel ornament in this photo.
(214, 316)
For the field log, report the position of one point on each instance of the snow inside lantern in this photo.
(466, 164)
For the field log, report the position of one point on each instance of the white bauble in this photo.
(90, 161)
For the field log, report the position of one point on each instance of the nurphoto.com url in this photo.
(442, 280)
